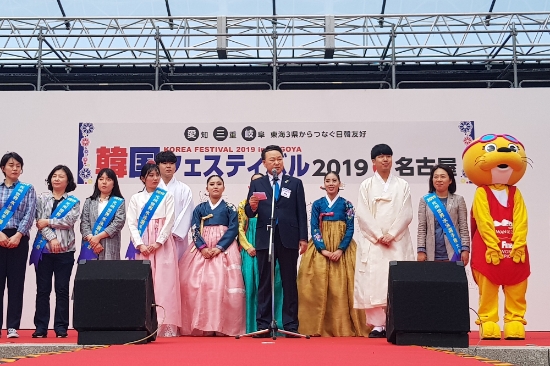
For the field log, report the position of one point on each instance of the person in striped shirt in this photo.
(14, 240)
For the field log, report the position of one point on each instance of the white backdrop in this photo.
(42, 127)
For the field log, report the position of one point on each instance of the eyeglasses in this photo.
(491, 137)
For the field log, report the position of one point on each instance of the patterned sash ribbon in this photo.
(440, 212)
(104, 219)
(40, 242)
(14, 200)
(145, 217)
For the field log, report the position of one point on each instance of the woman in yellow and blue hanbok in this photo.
(326, 274)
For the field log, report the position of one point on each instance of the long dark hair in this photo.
(71, 185)
(112, 176)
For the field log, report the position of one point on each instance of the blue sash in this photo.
(144, 217)
(104, 218)
(40, 242)
(13, 202)
(442, 216)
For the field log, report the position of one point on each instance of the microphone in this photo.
(274, 174)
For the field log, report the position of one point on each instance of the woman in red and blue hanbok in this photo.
(212, 287)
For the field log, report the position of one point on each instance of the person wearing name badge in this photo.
(212, 287)
(103, 217)
(290, 237)
(183, 199)
(443, 220)
(325, 277)
(150, 218)
(247, 240)
(53, 250)
(17, 210)
(384, 212)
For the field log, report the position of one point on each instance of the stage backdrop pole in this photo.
(39, 64)
(274, 37)
(515, 58)
(157, 41)
(393, 56)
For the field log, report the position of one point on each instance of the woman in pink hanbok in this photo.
(212, 286)
(150, 219)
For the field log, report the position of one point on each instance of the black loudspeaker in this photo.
(113, 302)
(428, 304)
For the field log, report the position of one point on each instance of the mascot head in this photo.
(495, 159)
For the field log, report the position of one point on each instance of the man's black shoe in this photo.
(38, 334)
(61, 334)
(262, 335)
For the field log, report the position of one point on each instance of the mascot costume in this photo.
(495, 163)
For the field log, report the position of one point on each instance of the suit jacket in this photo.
(111, 245)
(289, 211)
(456, 207)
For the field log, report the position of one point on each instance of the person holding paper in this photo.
(325, 277)
(17, 219)
(212, 287)
(103, 217)
(150, 220)
(247, 240)
(443, 220)
(53, 250)
(384, 212)
(290, 236)
(183, 199)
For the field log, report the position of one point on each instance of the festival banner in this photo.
(233, 150)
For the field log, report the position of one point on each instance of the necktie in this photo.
(277, 190)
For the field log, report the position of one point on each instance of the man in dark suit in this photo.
(289, 236)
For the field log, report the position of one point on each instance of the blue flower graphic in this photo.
(85, 173)
(465, 127)
(87, 128)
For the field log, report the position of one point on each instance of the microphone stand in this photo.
(273, 328)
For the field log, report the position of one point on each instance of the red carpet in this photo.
(229, 351)
(532, 338)
(247, 351)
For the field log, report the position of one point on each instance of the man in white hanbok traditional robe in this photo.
(183, 199)
(384, 212)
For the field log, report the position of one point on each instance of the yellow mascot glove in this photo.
(518, 253)
(493, 255)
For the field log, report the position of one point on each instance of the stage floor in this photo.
(541, 339)
(229, 351)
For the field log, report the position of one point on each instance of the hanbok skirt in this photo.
(251, 278)
(164, 266)
(325, 289)
(212, 290)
